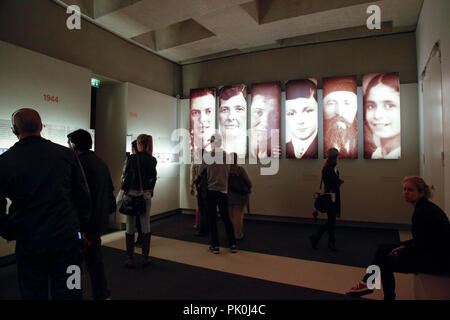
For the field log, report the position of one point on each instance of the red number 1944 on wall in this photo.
(50, 98)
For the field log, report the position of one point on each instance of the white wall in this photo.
(372, 188)
(25, 76)
(155, 113)
(433, 26)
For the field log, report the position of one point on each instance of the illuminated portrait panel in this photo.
(302, 119)
(202, 117)
(233, 118)
(340, 115)
(382, 125)
(265, 112)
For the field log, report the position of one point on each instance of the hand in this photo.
(394, 252)
(276, 152)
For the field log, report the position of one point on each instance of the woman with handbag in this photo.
(138, 182)
(239, 187)
(330, 177)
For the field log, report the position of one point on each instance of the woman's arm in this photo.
(246, 177)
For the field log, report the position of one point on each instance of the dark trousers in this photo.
(36, 270)
(329, 226)
(401, 263)
(203, 213)
(96, 269)
(219, 199)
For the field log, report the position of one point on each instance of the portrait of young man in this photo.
(382, 125)
(302, 112)
(233, 119)
(265, 120)
(202, 117)
(340, 108)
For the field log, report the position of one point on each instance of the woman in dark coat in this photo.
(330, 176)
(427, 252)
(131, 185)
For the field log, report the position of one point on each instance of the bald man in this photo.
(49, 211)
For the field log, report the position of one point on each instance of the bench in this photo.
(432, 286)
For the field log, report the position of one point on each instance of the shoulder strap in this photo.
(139, 170)
(82, 172)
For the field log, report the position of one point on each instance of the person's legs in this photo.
(212, 217)
(237, 218)
(387, 268)
(203, 213)
(146, 231)
(60, 279)
(129, 241)
(33, 274)
(139, 232)
(223, 209)
(315, 238)
(331, 225)
(96, 269)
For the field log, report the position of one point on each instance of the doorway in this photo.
(433, 134)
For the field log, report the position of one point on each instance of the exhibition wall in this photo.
(372, 188)
(154, 113)
(434, 26)
(390, 53)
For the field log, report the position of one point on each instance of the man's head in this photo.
(301, 109)
(26, 122)
(233, 110)
(340, 99)
(340, 106)
(80, 140)
(202, 114)
(134, 148)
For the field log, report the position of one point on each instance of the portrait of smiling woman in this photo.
(382, 125)
(233, 118)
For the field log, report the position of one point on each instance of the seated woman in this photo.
(427, 252)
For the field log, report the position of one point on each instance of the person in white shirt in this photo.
(301, 119)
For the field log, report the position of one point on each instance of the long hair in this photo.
(390, 80)
(146, 141)
(420, 184)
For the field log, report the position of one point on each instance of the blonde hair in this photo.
(420, 185)
(146, 141)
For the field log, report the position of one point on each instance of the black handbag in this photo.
(322, 201)
(134, 205)
(237, 183)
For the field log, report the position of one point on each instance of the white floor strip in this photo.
(304, 273)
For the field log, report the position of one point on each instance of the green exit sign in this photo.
(95, 83)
